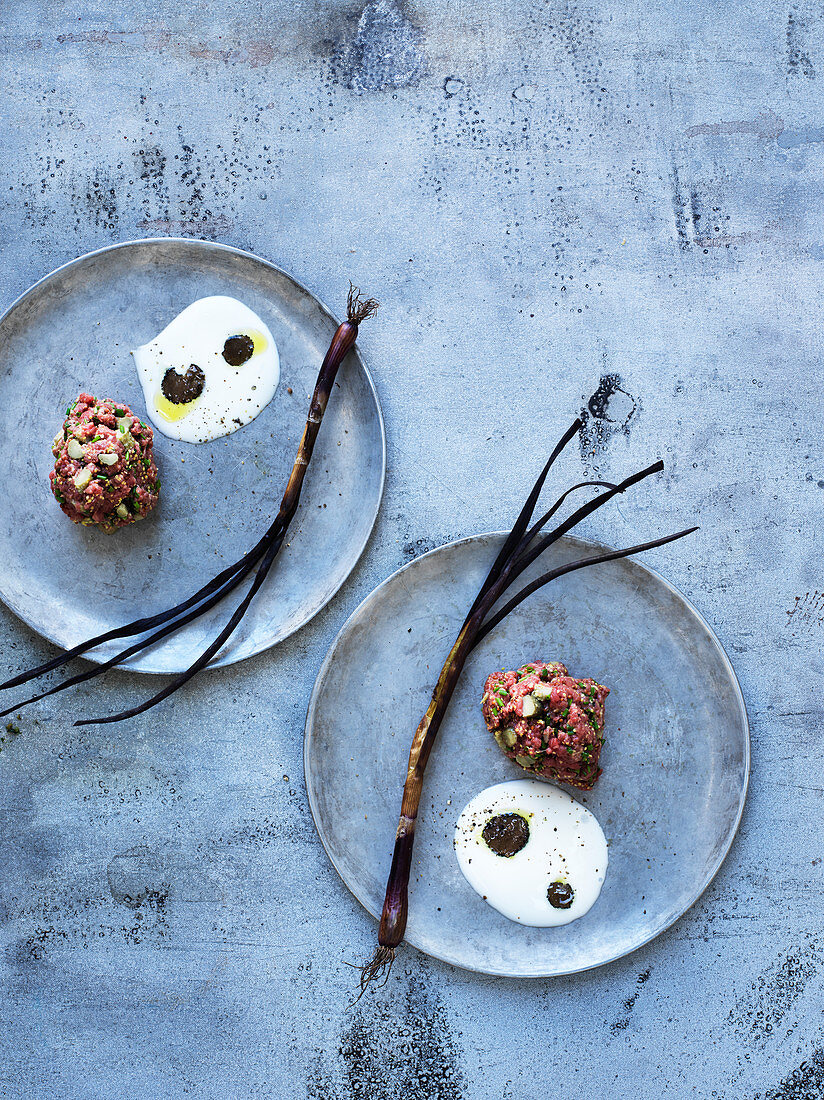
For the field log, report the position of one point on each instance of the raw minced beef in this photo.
(547, 721)
(104, 472)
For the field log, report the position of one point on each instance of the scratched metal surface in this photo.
(600, 205)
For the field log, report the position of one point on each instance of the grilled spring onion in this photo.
(522, 546)
(262, 555)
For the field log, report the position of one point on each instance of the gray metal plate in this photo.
(73, 331)
(676, 760)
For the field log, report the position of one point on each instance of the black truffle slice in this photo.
(182, 388)
(506, 834)
(560, 895)
(238, 350)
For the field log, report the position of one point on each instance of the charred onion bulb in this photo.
(261, 556)
(521, 547)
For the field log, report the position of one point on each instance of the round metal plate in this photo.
(676, 760)
(74, 331)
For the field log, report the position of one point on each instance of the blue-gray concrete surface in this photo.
(608, 206)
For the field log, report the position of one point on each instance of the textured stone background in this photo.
(604, 205)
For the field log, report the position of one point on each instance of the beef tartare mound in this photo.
(104, 472)
(548, 721)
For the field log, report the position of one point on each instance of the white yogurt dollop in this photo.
(232, 394)
(566, 850)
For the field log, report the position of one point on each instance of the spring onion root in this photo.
(522, 546)
(259, 558)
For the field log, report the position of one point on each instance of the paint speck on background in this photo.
(804, 1083)
(799, 61)
(136, 878)
(766, 125)
(386, 51)
(251, 52)
(766, 1004)
(807, 612)
(395, 1048)
(608, 412)
(525, 93)
(622, 1022)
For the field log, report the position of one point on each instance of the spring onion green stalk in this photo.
(521, 547)
(261, 556)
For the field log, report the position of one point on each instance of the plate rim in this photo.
(207, 245)
(728, 842)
